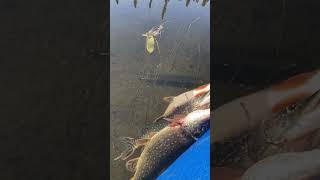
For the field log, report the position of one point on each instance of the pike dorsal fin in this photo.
(168, 99)
(131, 165)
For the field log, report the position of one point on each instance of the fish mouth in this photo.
(312, 103)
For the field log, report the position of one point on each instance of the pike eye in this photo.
(290, 108)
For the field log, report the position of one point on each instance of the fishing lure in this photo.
(151, 39)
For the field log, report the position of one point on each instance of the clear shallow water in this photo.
(140, 80)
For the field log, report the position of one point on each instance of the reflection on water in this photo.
(204, 2)
(135, 3)
(187, 3)
(140, 80)
(164, 8)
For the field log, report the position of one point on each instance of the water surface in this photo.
(140, 80)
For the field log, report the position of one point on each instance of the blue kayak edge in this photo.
(194, 164)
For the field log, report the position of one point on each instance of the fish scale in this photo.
(162, 150)
(169, 143)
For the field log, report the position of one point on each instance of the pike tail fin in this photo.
(128, 151)
(133, 144)
(131, 165)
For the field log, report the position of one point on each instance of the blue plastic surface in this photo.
(194, 164)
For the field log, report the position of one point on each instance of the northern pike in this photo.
(165, 146)
(292, 129)
(231, 119)
(185, 102)
(286, 166)
(295, 128)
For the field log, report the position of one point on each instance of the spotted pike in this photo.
(290, 130)
(263, 104)
(168, 144)
(185, 102)
(286, 166)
